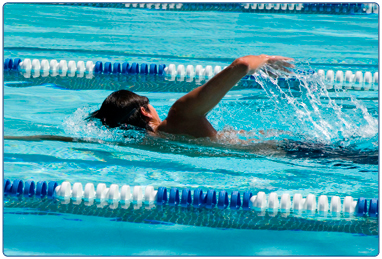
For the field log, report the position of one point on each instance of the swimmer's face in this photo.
(153, 112)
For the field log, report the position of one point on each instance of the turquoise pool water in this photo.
(331, 144)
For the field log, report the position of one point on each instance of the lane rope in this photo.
(332, 79)
(210, 199)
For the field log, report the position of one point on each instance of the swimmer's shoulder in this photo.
(196, 127)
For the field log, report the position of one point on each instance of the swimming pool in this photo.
(333, 149)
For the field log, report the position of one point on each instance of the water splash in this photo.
(312, 112)
(77, 125)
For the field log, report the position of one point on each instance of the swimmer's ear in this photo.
(146, 113)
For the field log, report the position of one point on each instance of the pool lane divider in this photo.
(197, 199)
(312, 8)
(331, 79)
(292, 8)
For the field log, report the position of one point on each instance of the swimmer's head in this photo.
(123, 108)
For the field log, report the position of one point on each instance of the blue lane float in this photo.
(373, 208)
(125, 68)
(186, 198)
(41, 188)
(8, 64)
(117, 67)
(153, 69)
(134, 68)
(51, 187)
(174, 197)
(29, 188)
(235, 200)
(361, 206)
(223, 200)
(161, 69)
(16, 64)
(17, 187)
(7, 186)
(198, 198)
(246, 200)
(211, 199)
(98, 67)
(144, 69)
(162, 196)
(107, 69)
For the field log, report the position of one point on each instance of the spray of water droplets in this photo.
(311, 112)
(78, 125)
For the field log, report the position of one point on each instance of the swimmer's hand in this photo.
(254, 63)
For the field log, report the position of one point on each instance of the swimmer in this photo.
(187, 116)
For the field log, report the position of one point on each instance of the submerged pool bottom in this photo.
(68, 234)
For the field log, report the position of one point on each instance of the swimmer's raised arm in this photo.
(201, 100)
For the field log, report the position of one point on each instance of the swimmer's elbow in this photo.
(241, 64)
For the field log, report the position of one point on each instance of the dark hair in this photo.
(122, 108)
